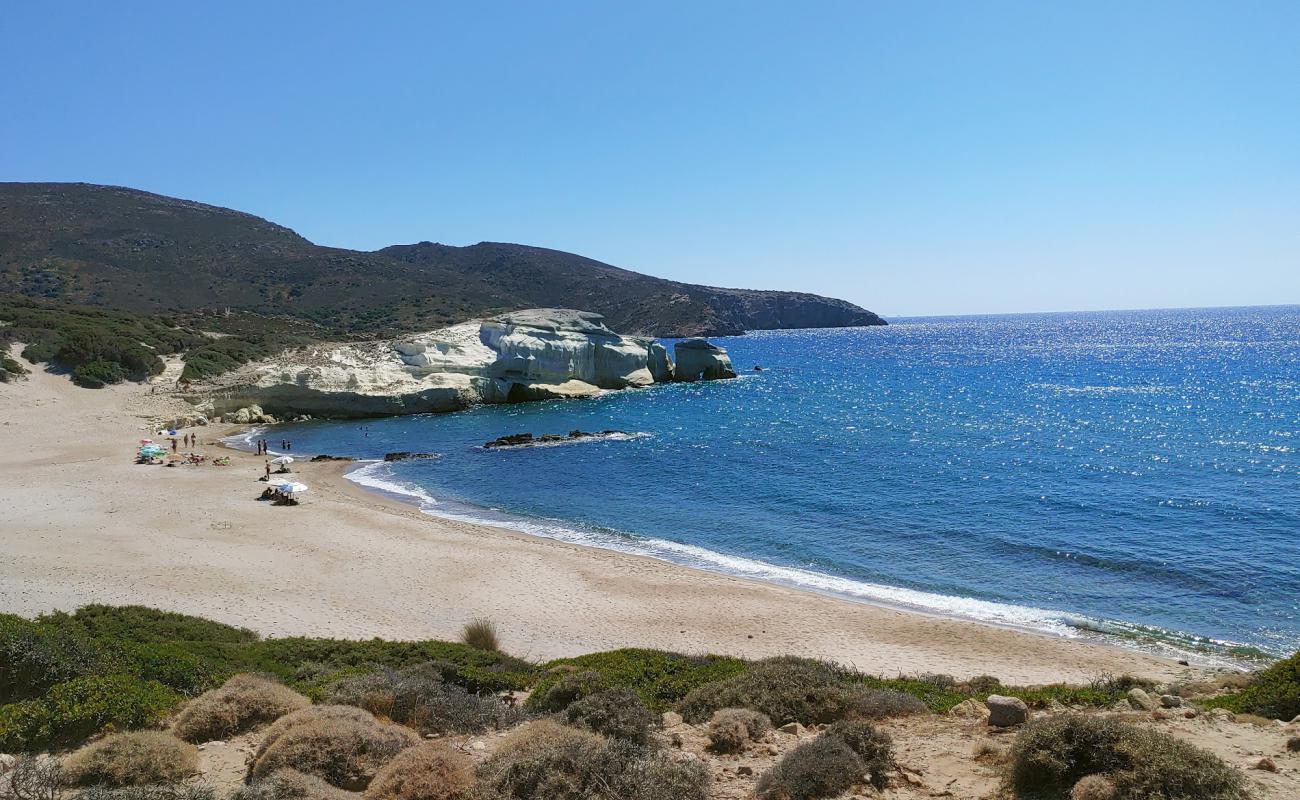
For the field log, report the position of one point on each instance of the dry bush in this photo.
(798, 690)
(429, 772)
(419, 697)
(1051, 755)
(481, 634)
(983, 684)
(156, 791)
(545, 760)
(1094, 787)
(874, 747)
(989, 753)
(133, 759)
(823, 767)
(732, 729)
(242, 703)
(33, 777)
(617, 713)
(1293, 744)
(342, 745)
(570, 687)
(290, 784)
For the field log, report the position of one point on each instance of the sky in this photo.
(913, 157)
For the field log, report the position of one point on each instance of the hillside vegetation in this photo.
(130, 250)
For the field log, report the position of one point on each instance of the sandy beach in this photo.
(81, 523)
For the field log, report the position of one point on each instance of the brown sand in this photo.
(81, 523)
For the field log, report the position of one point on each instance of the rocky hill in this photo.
(127, 249)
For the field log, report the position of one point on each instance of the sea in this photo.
(1130, 476)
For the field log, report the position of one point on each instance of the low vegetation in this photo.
(10, 369)
(545, 760)
(799, 690)
(242, 703)
(823, 767)
(732, 730)
(1273, 692)
(616, 713)
(423, 697)
(660, 678)
(481, 634)
(64, 677)
(872, 745)
(431, 771)
(290, 784)
(1051, 755)
(341, 745)
(136, 758)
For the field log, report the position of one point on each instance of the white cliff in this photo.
(523, 355)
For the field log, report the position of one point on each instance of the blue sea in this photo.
(1132, 476)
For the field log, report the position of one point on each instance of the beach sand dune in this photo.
(81, 523)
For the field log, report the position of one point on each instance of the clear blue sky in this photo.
(914, 157)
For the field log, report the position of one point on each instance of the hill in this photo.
(135, 251)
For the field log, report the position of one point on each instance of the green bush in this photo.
(661, 678)
(617, 713)
(72, 711)
(1273, 693)
(874, 747)
(420, 697)
(142, 624)
(823, 767)
(35, 656)
(798, 690)
(98, 373)
(558, 691)
(9, 366)
(1051, 755)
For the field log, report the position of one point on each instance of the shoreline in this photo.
(82, 524)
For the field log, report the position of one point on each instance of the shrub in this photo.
(344, 746)
(481, 634)
(242, 703)
(74, 710)
(798, 690)
(661, 678)
(143, 625)
(545, 760)
(732, 729)
(617, 713)
(98, 374)
(1051, 755)
(429, 772)
(873, 746)
(133, 759)
(1272, 693)
(160, 791)
(557, 695)
(35, 656)
(419, 697)
(1094, 787)
(34, 778)
(983, 684)
(823, 767)
(290, 784)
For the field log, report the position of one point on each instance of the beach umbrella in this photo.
(282, 460)
(146, 441)
(293, 488)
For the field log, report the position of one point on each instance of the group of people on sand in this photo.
(189, 440)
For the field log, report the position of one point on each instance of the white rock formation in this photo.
(698, 360)
(524, 355)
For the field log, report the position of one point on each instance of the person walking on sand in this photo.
(173, 444)
(268, 470)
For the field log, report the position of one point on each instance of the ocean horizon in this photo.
(1129, 476)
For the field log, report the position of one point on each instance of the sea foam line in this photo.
(378, 475)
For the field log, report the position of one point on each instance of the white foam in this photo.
(378, 475)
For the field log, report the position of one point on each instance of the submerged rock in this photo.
(526, 439)
(407, 456)
(324, 457)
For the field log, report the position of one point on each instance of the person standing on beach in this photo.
(268, 469)
(173, 444)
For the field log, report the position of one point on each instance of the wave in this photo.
(379, 476)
